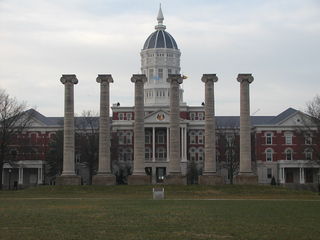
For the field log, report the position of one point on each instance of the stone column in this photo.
(174, 175)
(104, 176)
(139, 176)
(68, 176)
(210, 176)
(246, 175)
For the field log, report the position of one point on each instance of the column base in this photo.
(246, 178)
(68, 180)
(139, 180)
(175, 179)
(104, 180)
(210, 180)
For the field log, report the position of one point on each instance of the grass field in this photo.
(189, 212)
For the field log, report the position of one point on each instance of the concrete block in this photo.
(68, 180)
(210, 180)
(104, 180)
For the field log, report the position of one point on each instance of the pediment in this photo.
(159, 116)
(297, 119)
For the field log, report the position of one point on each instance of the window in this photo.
(121, 154)
(148, 137)
(269, 173)
(192, 116)
(200, 137)
(161, 137)
(129, 116)
(148, 153)
(308, 139)
(268, 138)
(150, 74)
(161, 153)
(269, 155)
(230, 140)
(288, 138)
(121, 138)
(308, 154)
(200, 154)
(78, 158)
(160, 73)
(121, 116)
(169, 71)
(200, 116)
(289, 154)
(192, 154)
(129, 138)
(192, 137)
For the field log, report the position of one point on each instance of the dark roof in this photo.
(160, 39)
(221, 121)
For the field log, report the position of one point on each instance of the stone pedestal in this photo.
(210, 180)
(139, 180)
(104, 180)
(250, 179)
(68, 180)
(175, 179)
(104, 176)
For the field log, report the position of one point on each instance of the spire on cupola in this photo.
(160, 19)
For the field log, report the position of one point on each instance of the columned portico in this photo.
(174, 170)
(104, 176)
(246, 176)
(210, 176)
(139, 176)
(68, 176)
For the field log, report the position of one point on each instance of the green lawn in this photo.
(128, 212)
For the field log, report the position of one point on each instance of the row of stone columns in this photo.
(139, 177)
(104, 176)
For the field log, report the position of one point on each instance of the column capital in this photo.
(209, 77)
(71, 78)
(245, 77)
(138, 77)
(104, 78)
(175, 77)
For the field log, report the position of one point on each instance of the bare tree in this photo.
(14, 119)
(229, 151)
(87, 141)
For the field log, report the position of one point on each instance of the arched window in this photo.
(200, 137)
(192, 153)
(269, 155)
(289, 154)
(308, 153)
(192, 137)
(200, 154)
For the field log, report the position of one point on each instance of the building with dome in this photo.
(281, 146)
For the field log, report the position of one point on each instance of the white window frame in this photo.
(288, 138)
(192, 136)
(308, 139)
(269, 155)
(287, 152)
(200, 137)
(269, 136)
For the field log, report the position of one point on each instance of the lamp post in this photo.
(10, 170)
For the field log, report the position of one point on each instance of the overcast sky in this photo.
(278, 41)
